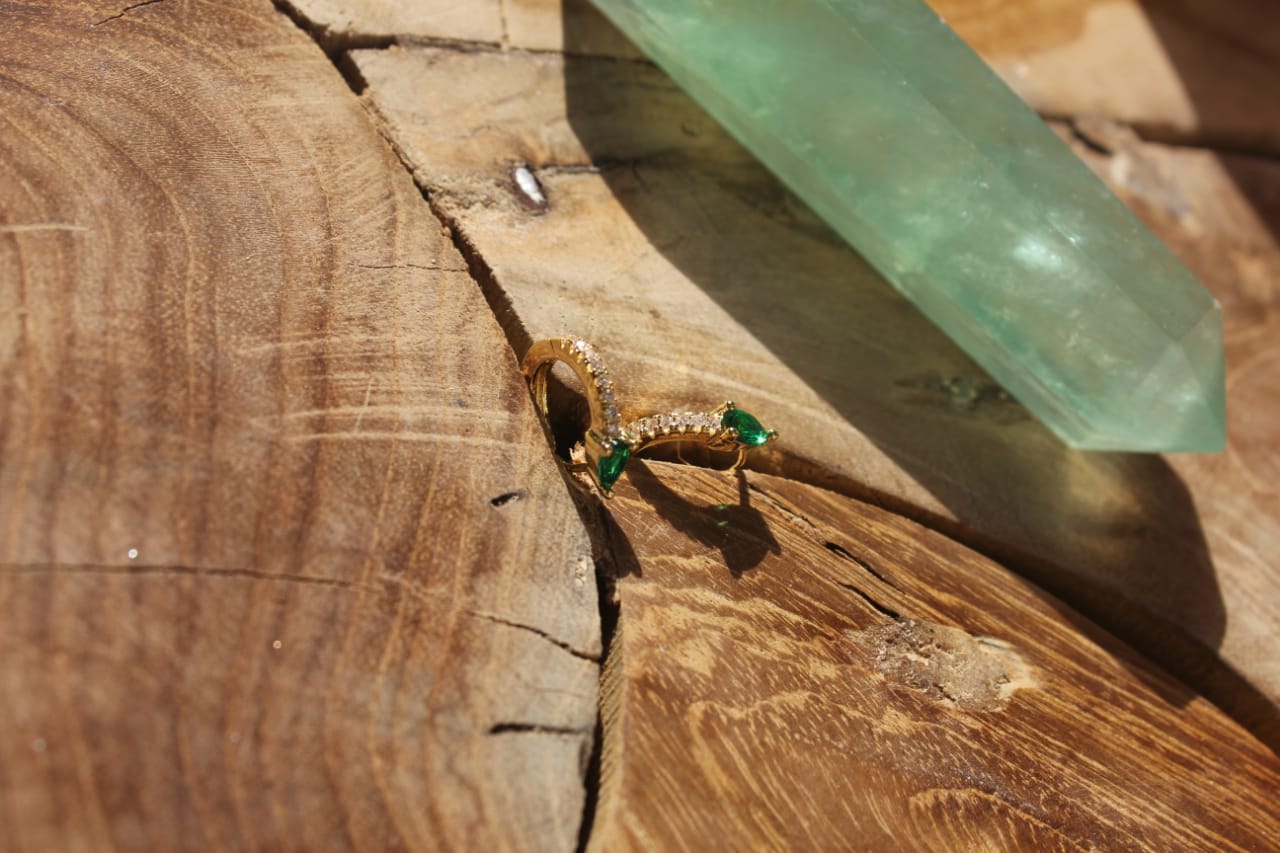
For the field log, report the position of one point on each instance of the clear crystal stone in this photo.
(977, 212)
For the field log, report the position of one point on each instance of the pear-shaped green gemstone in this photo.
(750, 431)
(609, 468)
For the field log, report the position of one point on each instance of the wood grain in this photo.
(284, 560)
(703, 279)
(796, 670)
(341, 24)
(1198, 71)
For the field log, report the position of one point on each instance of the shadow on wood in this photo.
(1116, 535)
(873, 684)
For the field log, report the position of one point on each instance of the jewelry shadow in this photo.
(1115, 536)
(739, 531)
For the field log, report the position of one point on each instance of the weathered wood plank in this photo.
(284, 561)
(668, 245)
(1181, 70)
(795, 670)
(338, 23)
(1178, 69)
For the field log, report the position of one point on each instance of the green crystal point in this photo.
(609, 468)
(751, 432)
(879, 117)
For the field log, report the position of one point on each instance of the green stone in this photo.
(609, 468)
(908, 145)
(750, 431)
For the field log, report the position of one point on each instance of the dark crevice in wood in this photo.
(336, 46)
(877, 606)
(126, 10)
(517, 335)
(536, 728)
(861, 563)
(1089, 140)
(331, 41)
(506, 498)
(533, 629)
(605, 555)
(805, 524)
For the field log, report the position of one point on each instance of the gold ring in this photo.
(608, 442)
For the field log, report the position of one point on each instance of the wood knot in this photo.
(947, 664)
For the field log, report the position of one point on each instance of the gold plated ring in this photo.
(609, 441)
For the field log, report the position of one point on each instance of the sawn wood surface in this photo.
(275, 563)
(794, 670)
(286, 559)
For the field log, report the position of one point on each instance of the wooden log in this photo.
(284, 560)
(1179, 70)
(705, 280)
(796, 670)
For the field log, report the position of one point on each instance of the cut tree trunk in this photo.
(276, 570)
(795, 670)
(287, 561)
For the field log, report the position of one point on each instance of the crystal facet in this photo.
(609, 468)
(900, 137)
(750, 431)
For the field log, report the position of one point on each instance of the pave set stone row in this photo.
(594, 363)
(706, 423)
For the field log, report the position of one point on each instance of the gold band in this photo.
(705, 427)
(607, 443)
(589, 367)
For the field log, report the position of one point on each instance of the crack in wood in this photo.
(144, 569)
(861, 563)
(520, 626)
(876, 605)
(538, 728)
(126, 10)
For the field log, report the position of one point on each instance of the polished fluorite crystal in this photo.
(895, 132)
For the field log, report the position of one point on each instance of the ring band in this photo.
(608, 443)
